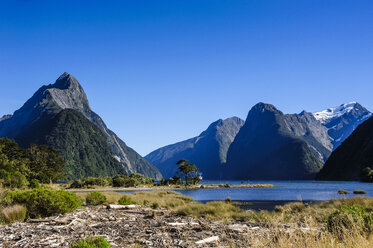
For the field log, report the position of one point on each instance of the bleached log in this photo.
(121, 207)
(208, 240)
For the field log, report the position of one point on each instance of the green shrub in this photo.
(131, 181)
(350, 219)
(359, 192)
(95, 198)
(43, 202)
(77, 184)
(125, 200)
(155, 205)
(176, 180)
(342, 192)
(12, 214)
(34, 184)
(95, 242)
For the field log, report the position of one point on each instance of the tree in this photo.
(189, 170)
(13, 165)
(45, 163)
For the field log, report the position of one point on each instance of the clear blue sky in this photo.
(160, 71)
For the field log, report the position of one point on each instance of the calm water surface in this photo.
(284, 191)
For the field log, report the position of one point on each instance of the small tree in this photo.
(189, 170)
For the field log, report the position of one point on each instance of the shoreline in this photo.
(161, 188)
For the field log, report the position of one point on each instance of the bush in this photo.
(359, 192)
(77, 184)
(155, 205)
(34, 184)
(95, 242)
(172, 181)
(350, 219)
(342, 192)
(131, 181)
(12, 214)
(95, 198)
(125, 200)
(43, 202)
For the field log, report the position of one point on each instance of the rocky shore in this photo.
(131, 227)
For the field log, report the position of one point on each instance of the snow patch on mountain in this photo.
(330, 113)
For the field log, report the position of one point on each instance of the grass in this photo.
(217, 210)
(297, 212)
(281, 238)
(155, 199)
(12, 214)
(91, 242)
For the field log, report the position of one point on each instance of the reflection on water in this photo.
(284, 191)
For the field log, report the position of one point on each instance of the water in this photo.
(283, 191)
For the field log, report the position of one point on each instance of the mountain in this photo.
(208, 150)
(341, 121)
(352, 156)
(82, 144)
(67, 93)
(271, 145)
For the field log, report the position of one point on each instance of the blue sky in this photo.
(159, 72)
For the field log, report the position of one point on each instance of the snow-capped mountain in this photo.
(342, 120)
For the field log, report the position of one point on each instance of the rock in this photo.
(238, 227)
(208, 240)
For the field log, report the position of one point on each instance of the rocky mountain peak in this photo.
(66, 81)
(68, 93)
(265, 107)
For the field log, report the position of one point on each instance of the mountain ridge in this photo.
(67, 93)
(207, 150)
(266, 148)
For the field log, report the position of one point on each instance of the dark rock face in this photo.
(67, 93)
(341, 121)
(208, 150)
(271, 145)
(306, 127)
(354, 154)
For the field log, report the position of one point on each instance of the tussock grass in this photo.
(155, 199)
(298, 212)
(213, 210)
(12, 214)
(280, 238)
(164, 199)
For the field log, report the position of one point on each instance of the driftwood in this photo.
(121, 207)
(208, 240)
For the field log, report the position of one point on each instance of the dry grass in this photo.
(213, 210)
(297, 212)
(164, 199)
(12, 214)
(281, 238)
